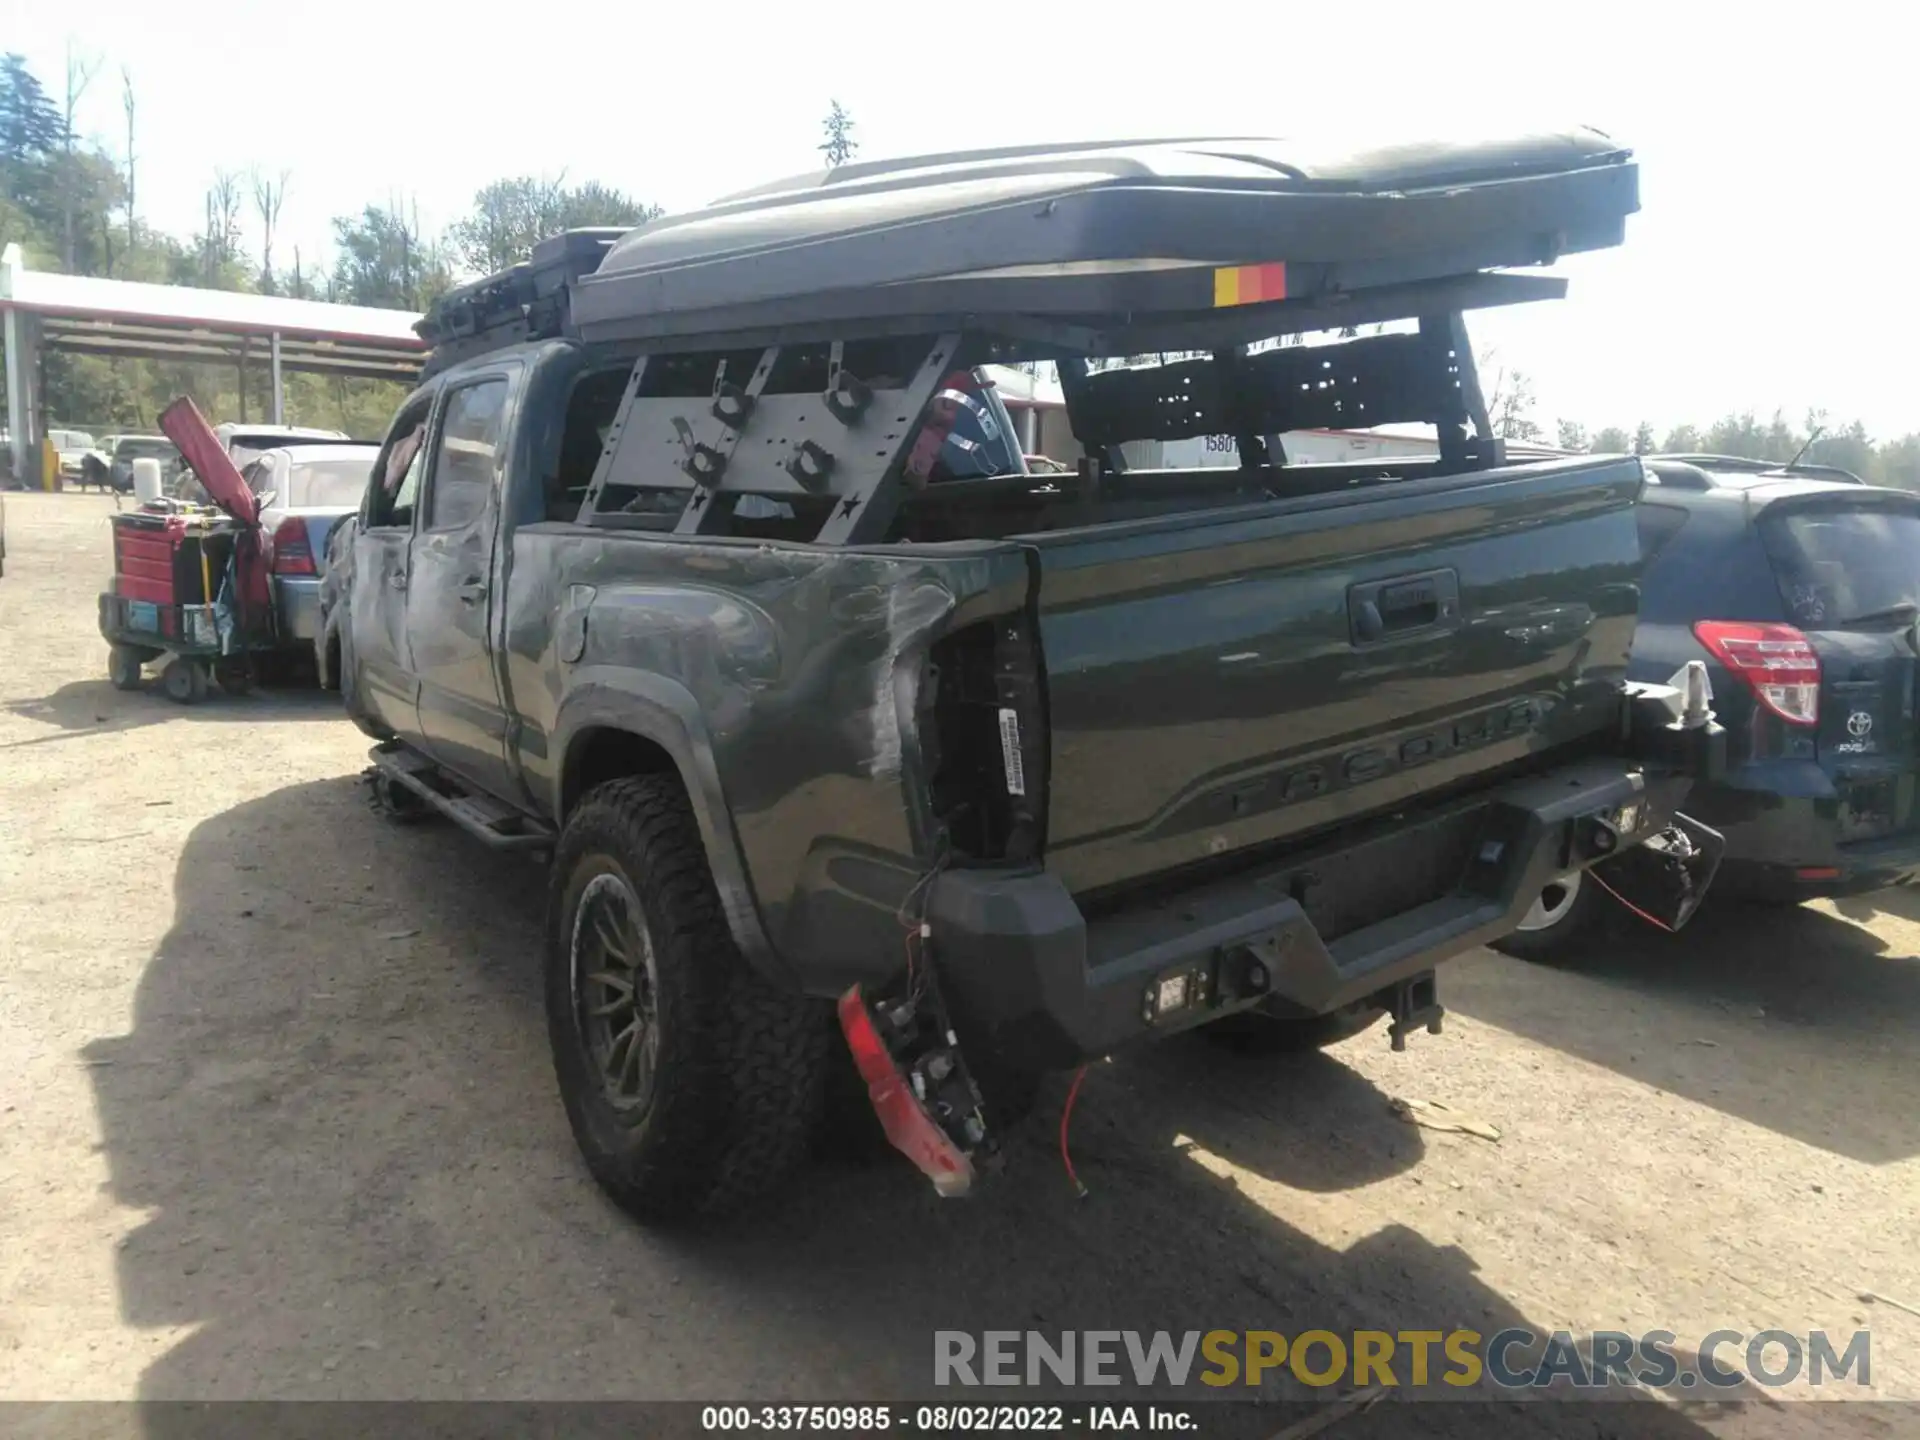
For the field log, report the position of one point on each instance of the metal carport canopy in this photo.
(85, 315)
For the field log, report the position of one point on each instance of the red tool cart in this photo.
(190, 582)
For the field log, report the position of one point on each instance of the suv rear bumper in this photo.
(1028, 975)
(1782, 823)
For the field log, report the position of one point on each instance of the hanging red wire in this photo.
(1066, 1118)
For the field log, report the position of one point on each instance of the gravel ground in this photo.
(277, 1121)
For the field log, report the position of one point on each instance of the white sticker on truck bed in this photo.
(1010, 752)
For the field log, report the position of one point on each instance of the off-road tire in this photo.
(740, 1073)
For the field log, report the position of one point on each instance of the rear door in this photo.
(1848, 565)
(463, 722)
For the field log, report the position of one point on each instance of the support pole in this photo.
(245, 345)
(23, 369)
(279, 392)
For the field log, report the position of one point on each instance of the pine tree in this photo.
(839, 146)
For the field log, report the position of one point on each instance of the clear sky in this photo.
(1773, 263)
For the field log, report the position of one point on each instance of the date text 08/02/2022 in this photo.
(945, 1419)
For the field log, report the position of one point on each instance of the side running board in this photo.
(481, 816)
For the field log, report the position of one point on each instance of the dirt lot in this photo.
(276, 1120)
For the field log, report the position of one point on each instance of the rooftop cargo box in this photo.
(1037, 238)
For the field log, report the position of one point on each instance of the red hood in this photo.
(183, 424)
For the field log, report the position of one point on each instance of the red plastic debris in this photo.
(910, 1129)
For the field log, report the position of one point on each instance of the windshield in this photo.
(1845, 564)
(322, 483)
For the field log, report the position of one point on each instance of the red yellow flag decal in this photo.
(1249, 284)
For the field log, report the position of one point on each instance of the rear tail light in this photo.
(1776, 662)
(292, 550)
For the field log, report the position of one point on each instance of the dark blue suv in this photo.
(1799, 586)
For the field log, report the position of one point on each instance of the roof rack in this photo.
(528, 302)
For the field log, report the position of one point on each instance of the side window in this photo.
(467, 455)
(406, 494)
(398, 471)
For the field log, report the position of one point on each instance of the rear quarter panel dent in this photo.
(784, 684)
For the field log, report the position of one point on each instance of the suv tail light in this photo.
(292, 549)
(1776, 661)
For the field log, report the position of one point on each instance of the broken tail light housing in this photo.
(901, 1104)
(293, 548)
(1776, 662)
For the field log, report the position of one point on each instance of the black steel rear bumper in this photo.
(1028, 975)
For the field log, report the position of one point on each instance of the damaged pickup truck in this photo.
(705, 560)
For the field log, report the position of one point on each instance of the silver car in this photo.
(308, 488)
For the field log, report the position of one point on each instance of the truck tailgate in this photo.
(1223, 681)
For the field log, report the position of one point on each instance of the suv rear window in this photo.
(1838, 564)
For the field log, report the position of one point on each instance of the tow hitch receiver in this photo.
(921, 1090)
(1414, 1004)
(1667, 876)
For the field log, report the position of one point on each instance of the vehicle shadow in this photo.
(1789, 1018)
(336, 1107)
(87, 707)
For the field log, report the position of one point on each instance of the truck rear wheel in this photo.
(692, 1084)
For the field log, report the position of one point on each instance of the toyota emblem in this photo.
(1859, 724)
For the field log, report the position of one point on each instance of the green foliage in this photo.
(1571, 435)
(510, 216)
(384, 261)
(30, 124)
(1816, 442)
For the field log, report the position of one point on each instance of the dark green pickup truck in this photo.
(705, 561)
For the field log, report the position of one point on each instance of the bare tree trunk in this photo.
(268, 197)
(223, 224)
(79, 76)
(126, 101)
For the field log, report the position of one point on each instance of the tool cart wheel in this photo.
(185, 681)
(123, 666)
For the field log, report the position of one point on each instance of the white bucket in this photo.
(146, 480)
